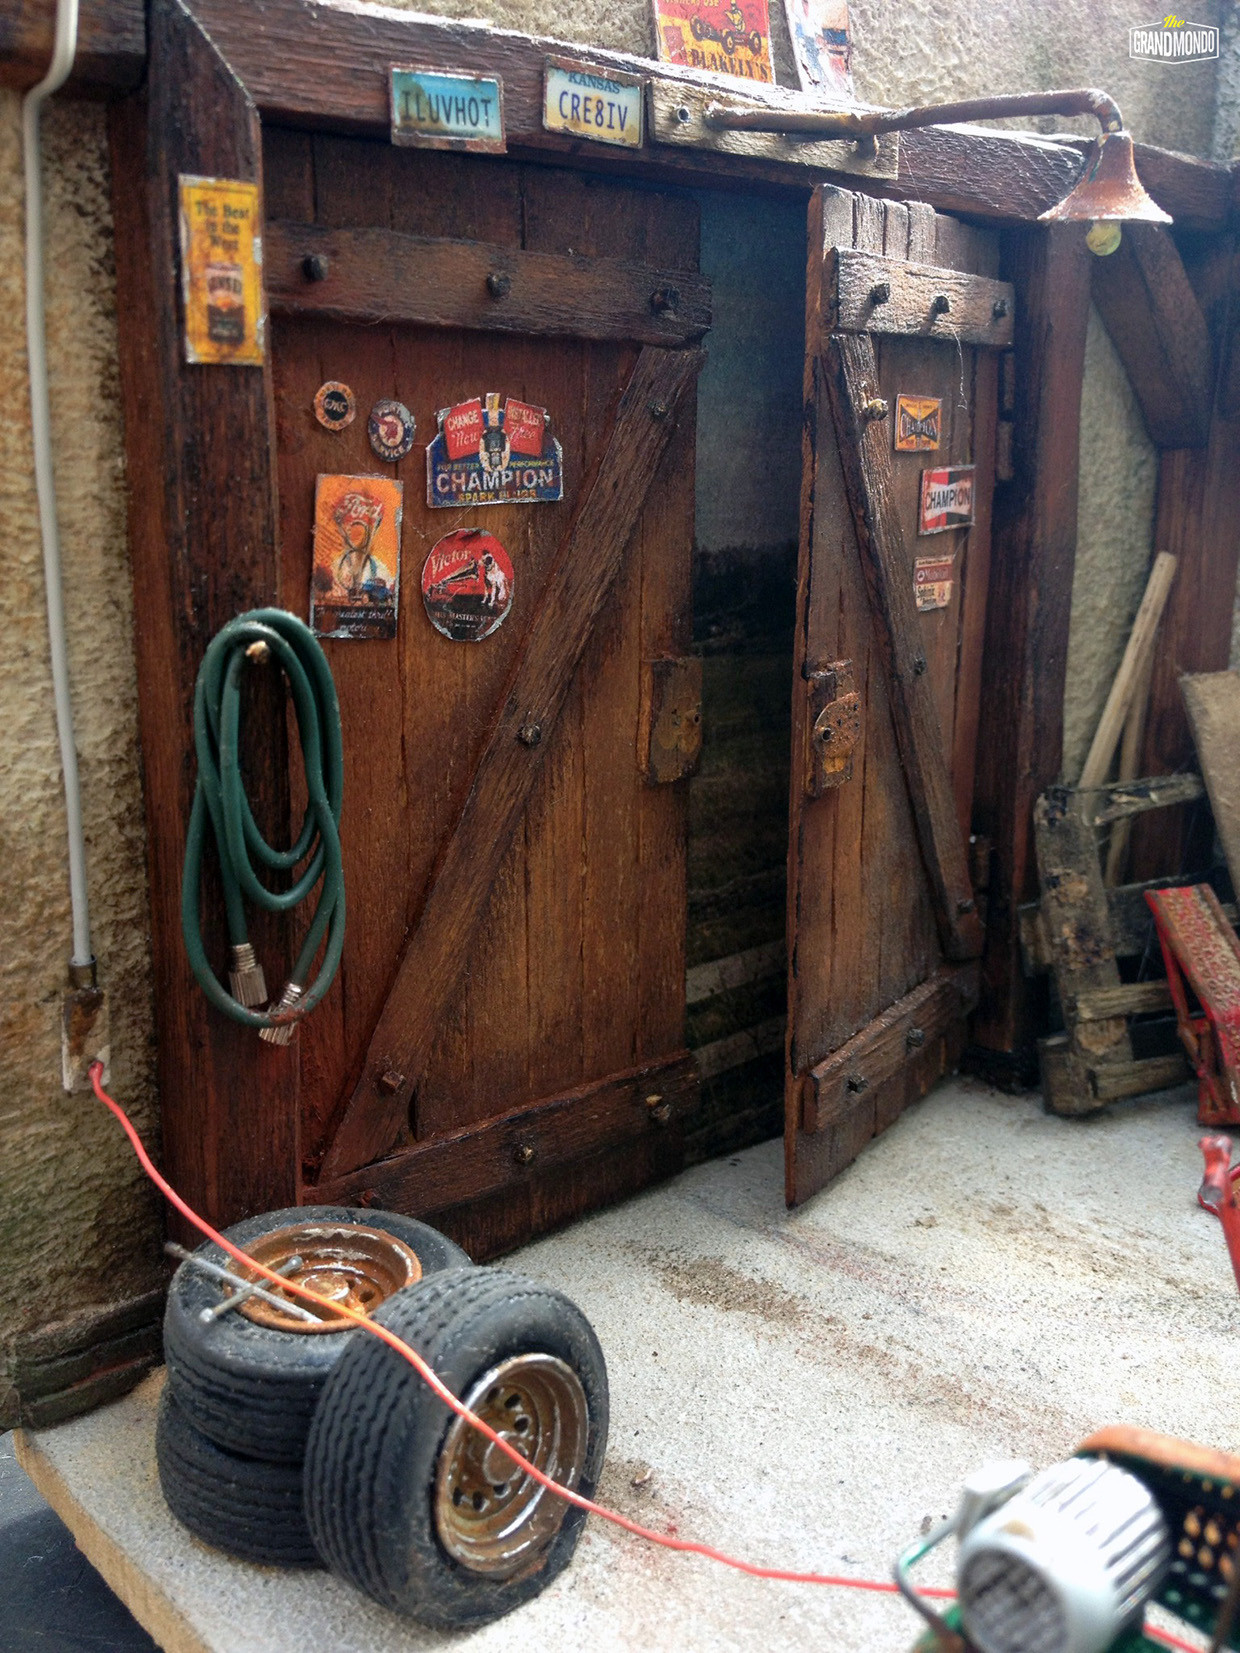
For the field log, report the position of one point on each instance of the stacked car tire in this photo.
(239, 1397)
(329, 1449)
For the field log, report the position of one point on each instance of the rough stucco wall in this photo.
(1119, 468)
(76, 1225)
(922, 51)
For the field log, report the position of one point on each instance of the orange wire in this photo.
(425, 1372)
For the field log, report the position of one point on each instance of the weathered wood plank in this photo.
(578, 587)
(1212, 700)
(111, 45)
(678, 114)
(866, 459)
(381, 275)
(881, 1049)
(1151, 312)
(199, 445)
(1074, 1088)
(1128, 798)
(1074, 911)
(1136, 998)
(1132, 924)
(1153, 1073)
(483, 1160)
(1020, 737)
(823, 1154)
(873, 293)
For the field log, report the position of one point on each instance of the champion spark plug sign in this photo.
(434, 109)
(946, 499)
(588, 104)
(493, 451)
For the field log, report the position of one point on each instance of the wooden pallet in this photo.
(1079, 931)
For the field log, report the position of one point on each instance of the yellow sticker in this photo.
(221, 271)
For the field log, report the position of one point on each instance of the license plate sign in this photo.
(585, 103)
(439, 109)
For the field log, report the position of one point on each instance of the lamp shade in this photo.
(1109, 190)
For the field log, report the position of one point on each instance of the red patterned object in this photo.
(1218, 1194)
(1200, 951)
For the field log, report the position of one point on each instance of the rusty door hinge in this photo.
(833, 725)
(670, 733)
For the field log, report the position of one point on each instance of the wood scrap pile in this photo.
(1100, 940)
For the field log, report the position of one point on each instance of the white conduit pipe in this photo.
(63, 53)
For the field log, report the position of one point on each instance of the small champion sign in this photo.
(946, 499)
(1172, 40)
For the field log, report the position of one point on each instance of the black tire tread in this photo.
(247, 1508)
(348, 1486)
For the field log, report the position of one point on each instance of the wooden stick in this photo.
(1127, 678)
(1129, 762)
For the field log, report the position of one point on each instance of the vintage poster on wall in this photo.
(932, 581)
(493, 452)
(822, 47)
(724, 37)
(919, 423)
(355, 581)
(946, 499)
(467, 585)
(221, 271)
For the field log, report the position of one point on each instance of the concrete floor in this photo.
(803, 1388)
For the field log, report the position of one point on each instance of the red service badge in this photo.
(390, 428)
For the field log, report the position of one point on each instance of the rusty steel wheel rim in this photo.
(491, 1517)
(355, 1266)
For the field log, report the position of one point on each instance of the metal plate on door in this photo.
(835, 729)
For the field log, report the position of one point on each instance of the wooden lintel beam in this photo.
(326, 66)
(111, 52)
(1150, 310)
(372, 275)
(313, 64)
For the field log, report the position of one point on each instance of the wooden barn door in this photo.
(505, 1047)
(884, 925)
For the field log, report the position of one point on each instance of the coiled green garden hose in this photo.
(220, 799)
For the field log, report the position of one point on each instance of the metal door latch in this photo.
(834, 725)
(670, 736)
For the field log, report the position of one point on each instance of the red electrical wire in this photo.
(666, 1540)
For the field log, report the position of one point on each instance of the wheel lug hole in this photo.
(478, 1501)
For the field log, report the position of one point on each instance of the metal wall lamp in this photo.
(1107, 194)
